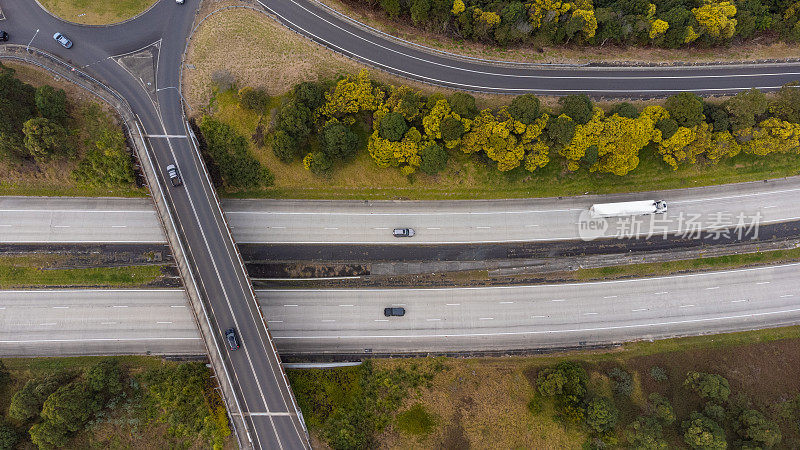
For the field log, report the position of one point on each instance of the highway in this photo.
(54, 220)
(351, 321)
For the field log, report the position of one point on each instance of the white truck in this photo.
(623, 209)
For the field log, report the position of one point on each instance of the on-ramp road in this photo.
(437, 320)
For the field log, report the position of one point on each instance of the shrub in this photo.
(338, 142)
(9, 436)
(229, 152)
(601, 415)
(561, 130)
(625, 109)
(51, 103)
(285, 147)
(44, 138)
(745, 108)
(310, 94)
(107, 163)
(708, 386)
(658, 373)
(622, 381)
(256, 100)
(685, 108)
(318, 163)
(393, 127)
(416, 420)
(452, 129)
(702, 433)
(434, 159)
(463, 104)
(295, 119)
(757, 431)
(578, 107)
(525, 108)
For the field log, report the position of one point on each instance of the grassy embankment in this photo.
(42, 270)
(484, 402)
(94, 12)
(259, 53)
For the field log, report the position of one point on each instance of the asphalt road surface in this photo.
(263, 395)
(351, 321)
(56, 220)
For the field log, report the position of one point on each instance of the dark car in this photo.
(230, 336)
(3, 35)
(389, 312)
(403, 232)
(174, 177)
(61, 39)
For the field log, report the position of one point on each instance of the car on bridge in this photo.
(174, 177)
(394, 312)
(61, 39)
(403, 232)
(230, 336)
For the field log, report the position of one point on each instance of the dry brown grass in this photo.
(757, 49)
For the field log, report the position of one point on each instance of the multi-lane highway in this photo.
(436, 320)
(307, 221)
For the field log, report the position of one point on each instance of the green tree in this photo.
(708, 386)
(452, 129)
(668, 126)
(717, 116)
(318, 163)
(71, 406)
(578, 107)
(393, 127)
(17, 105)
(745, 108)
(624, 109)
(645, 433)
(27, 402)
(9, 436)
(434, 158)
(44, 138)
(561, 130)
(685, 108)
(758, 431)
(285, 147)
(5, 375)
(419, 11)
(310, 94)
(109, 163)
(51, 103)
(338, 141)
(295, 119)
(105, 379)
(622, 382)
(601, 414)
(230, 154)
(702, 433)
(786, 103)
(463, 104)
(256, 100)
(49, 435)
(660, 409)
(525, 108)
(391, 7)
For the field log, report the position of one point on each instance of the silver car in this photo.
(61, 39)
(403, 232)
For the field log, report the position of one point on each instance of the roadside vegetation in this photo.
(45, 270)
(360, 138)
(662, 23)
(109, 402)
(52, 143)
(93, 12)
(710, 392)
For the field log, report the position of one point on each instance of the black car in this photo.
(389, 312)
(3, 35)
(230, 336)
(174, 177)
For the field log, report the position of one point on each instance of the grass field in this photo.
(39, 271)
(96, 12)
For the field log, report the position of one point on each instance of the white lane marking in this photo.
(590, 314)
(2, 307)
(763, 282)
(558, 300)
(274, 321)
(119, 306)
(738, 301)
(639, 309)
(661, 293)
(108, 323)
(4, 225)
(787, 295)
(611, 296)
(81, 211)
(380, 228)
(60, 226)
(328, 320)
(506, 303)
(47, 323)
(331, 228)
(771, 206)
(60, 307)
(537, 332)
(277, 228)
(164, 322)
(267, 414)
(486, 318)
(710, 288)
(166, 136)
(433, 228)
(530, 226)
(346, 305)
(381, 320)
(538, 317)
(101, 340)
(177, 306)
(432, 320)
(483, 228)
(685, 306)
(452, 304)
(119, 226)
(290, 305)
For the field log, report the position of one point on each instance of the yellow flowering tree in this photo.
(404, 153)
(352, 95)
(772, 135)
(716, 19)
(458, 7)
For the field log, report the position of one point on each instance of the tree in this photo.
(17, 105)
(668, 127)
(622, 382)
(578, 107)
(452, 129)
(391, 7)
(601, 415)
(716, 19)
(685, 108)
(49, 435)
(434, 158)
(230, 154)
(745, 108)
(463, 104)
(625, 109)
(338, 141)
(566, 382)
(786, 104)
(295, 119)
(717, 117)
(5, 375)
(104, 379)
(27, 402)
(71, 406)
(561, 130)
(757, 431)
(645, 433)
(318, 163)
(109, 163)
(284, 146)
(419, 11)
(660, 409)
(51, 103)
(393, 126)
(9, 436)
(525, 108)
(708, 386)
(310, 94)
(256, 100)
(702, 433)
(44, 138)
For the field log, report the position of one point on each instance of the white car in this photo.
(180, 2)
(61, 39)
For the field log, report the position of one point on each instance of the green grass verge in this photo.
(469, 177)
(26, 271)
(689, 265)
(96, 12)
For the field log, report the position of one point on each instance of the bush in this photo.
(229, 152)
(601, 415)
(668, 126)
(745, 108)
(757, 431)
(51, 103)
(256, 100)
(17, 105)
(578, 107)
(27, 402)
(463, 104)
(108, 163)
(625, 109)
(416, 420)
(318, 163)
(717, 117)
(708, 386)
(702, 433)
(561, 130)
(452, 129)
(285, 147)
(658, 373)
(393, 127)
(44, 138)
(525, 108)
(786, 104)
(685, 108)
(661, 409)
(295, 119)
(9, 436)
(310, 94)
(434, 159)
(622, 381)
(338, 142)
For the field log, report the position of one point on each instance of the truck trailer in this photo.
(623, 209)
